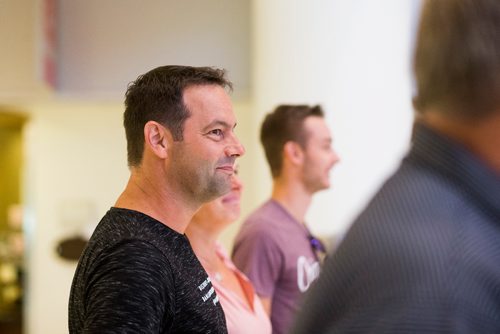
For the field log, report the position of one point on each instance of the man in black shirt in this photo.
(424, 257)
(138, 273)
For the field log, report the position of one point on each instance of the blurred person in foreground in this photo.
(139, 273)
(424, 256)
(274, 246)
(242, 307)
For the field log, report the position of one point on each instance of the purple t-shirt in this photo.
(273, 250)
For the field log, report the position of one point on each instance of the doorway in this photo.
(11, 221)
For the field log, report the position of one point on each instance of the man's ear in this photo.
(157, 138)
(293, 152)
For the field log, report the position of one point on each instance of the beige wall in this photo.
(75, 157)
(17, 27)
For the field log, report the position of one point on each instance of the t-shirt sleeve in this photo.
(258, 256)
(130, 291)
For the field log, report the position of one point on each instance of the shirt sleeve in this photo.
(258, 256)
(130, 291)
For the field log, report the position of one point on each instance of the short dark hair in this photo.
(158, 96)
(285, 124)
(457, 58)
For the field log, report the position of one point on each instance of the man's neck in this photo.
(156, 201)
(481, 137)
(293, 196)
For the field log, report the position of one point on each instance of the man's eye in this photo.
(217, 132)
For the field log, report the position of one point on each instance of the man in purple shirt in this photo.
(274, 247)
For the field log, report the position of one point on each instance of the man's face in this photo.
(319, 154)
(203, 162)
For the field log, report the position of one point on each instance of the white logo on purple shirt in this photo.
(307, 272)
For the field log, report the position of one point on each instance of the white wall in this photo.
(352, 57)
(369, 104)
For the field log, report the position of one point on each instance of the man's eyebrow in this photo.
(326, 140)
(218, 123)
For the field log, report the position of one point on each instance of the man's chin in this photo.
(323, 186)
(219, 189)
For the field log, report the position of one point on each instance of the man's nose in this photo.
(335, 157)
(234, 147)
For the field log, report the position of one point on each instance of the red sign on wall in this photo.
(48, 39)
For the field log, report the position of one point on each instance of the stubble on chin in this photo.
(218, 186)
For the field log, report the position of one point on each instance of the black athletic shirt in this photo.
(139, 276)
